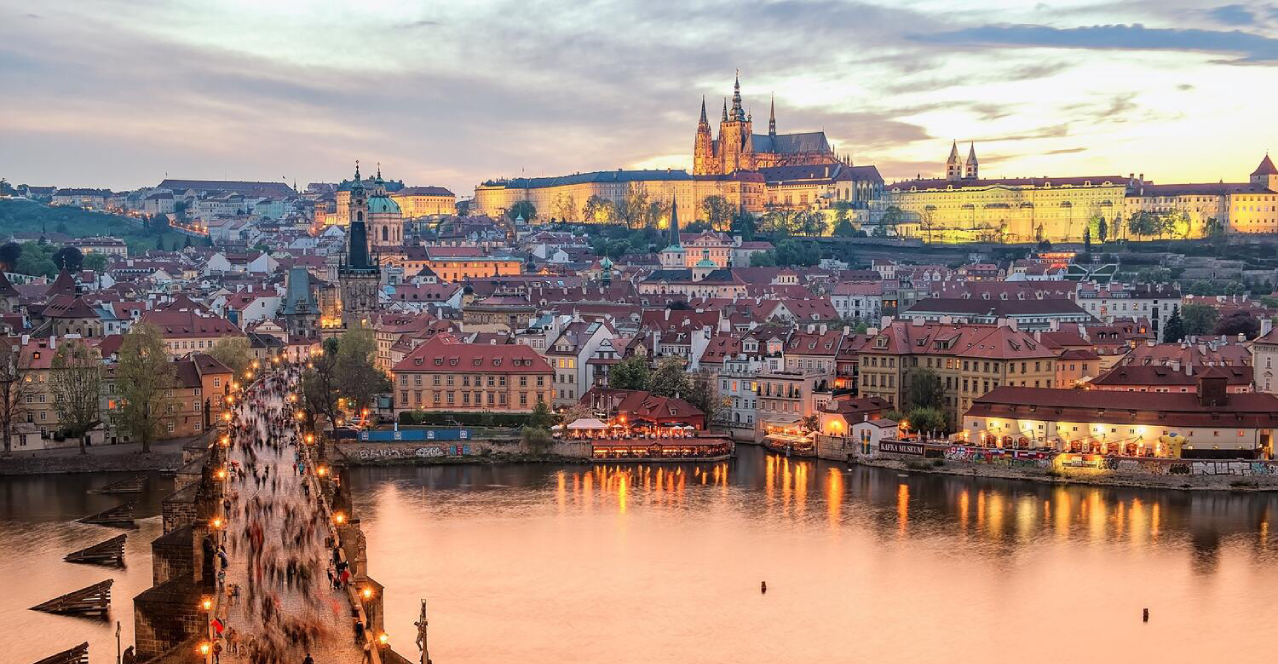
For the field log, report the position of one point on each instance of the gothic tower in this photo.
(1265, 174)
(972, 169)
(954, 165)
(772, 118)
(736, 147)
(703, 161)
(358, 276)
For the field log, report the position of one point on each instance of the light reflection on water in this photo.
(642, 562)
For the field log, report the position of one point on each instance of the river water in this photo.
(624, 563)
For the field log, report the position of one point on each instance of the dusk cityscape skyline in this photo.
(455, 95)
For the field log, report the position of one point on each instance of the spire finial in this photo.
(379, 170)
(725, 109)
(772, 116)
(357, 170)
(703, 110)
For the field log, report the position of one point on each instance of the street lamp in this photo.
(339, 518)
(206, 603)
(383, 639)
(216, 523)
(366, 593)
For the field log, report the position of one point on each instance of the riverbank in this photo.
(483, 452)
(165, 456)
(1075, 477)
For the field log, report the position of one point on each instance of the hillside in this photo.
(22, 216)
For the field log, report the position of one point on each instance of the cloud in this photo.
(1249, 47)
(1054, 131)
(1232, 15)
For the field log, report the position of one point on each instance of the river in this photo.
(557, 564)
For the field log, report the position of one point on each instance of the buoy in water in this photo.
(1145, 616)
(763, 588)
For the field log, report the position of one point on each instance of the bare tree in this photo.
(146, 378)
(15, 386)
(77, 389)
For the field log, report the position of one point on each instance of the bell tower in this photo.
(954, 165)
(703, 160)
(736, 146)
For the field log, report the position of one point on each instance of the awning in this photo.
(587, 423)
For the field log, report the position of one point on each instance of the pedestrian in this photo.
(308, 659)
(129, 657)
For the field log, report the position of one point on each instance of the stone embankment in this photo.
(1080, 476)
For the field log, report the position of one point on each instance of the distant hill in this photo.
(23, 216)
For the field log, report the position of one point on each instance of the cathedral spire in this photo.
(704, 121)
(674, 223)
(971, 171)
(725, 109)
(359, 182)
(772, 118)
(738, 113)
(954, 165)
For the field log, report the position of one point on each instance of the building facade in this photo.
(446, 375)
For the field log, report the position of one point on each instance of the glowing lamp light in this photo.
(310, 438)
(366, 593)
(221, 473)
(255, 364)
(226, 416)
(216, 523)
(339, 518)
(322, 471)
(383, 639)
(206, 603)
(301, 416)
(226, 441)
(205, 647)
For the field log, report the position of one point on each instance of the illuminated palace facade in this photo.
(750, 171)
(964, 207)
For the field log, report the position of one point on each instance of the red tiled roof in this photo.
(443, 355)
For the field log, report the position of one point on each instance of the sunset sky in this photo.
(117, 93)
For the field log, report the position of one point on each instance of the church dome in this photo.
(606, 263)
(382, 205)
(706, 262)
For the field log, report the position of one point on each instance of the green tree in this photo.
(926, 389)
(1087, 240)
(1199, 319)
(96, 262)
(1174, 328)
(717, 211)
(670, 379)
(1102, 230)
(536, 439)
(10, 252)
(763, 259)
(359, 379)
(843, 228)
(926, 420)
(143, 378)
(541, 416)
(743, 224)
(631, 373)
(76, 381)
(524, 209)
(234, 352)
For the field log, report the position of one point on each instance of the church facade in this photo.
(738, 148)
(359, 276)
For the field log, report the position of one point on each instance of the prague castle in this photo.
(738, 148)
(750, 172)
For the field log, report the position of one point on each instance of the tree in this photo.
(15, 387)
(1087, 240)
(811, 422)
(1174, 329)
(670, 379)
(763, 259)
(1102, 230)
(927, 420)
(319, 382)
(70, 259)
(359, 379)
(1239, 322)
(703, 394)
(598, 210)
(77, 387)
(536, 439)
(631, 373)
(1199, 319)
(144, 379)
(96, 262)
(843, 228)
(234, 352)
(926, 389)
(717, 211)
(159, 243)
(10, 252)
(743, 224)
(541, 416)
(565, 207)
(523, 209)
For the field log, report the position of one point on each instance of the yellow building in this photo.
(1239, 207)
(565, 197)
(425, 201)
(455, 264)
(970, 360)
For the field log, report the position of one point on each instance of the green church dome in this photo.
(382, 205)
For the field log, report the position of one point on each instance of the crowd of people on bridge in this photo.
(279, 606)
